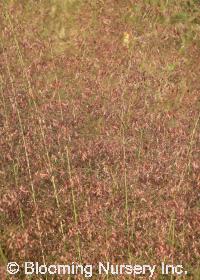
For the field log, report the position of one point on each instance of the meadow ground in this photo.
(99, 133)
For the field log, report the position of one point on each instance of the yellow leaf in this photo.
(126, 39)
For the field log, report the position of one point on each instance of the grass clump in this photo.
(99, 118)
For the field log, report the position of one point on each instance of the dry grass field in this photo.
(100, 134)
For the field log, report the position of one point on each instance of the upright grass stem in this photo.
(73, 202)
(50, 167)
(26, 154)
